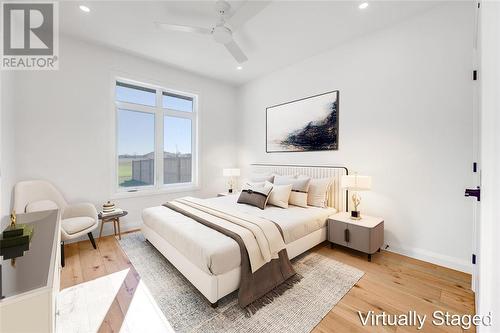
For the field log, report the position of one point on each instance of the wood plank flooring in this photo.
(392, 283)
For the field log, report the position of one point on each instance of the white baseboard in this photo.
(108, 230)
(432, 257)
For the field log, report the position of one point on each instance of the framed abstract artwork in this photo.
(306, 124)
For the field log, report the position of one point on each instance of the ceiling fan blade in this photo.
(236, 52)
(248, 10)
(183, 28)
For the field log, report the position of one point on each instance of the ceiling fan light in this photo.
(363, 5)
(84, 8)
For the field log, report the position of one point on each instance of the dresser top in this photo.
(33, 269)
(366, 221)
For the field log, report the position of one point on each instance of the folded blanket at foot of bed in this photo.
(266, 271)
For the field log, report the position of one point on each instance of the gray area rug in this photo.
(325, 281)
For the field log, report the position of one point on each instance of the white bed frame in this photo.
(214, 287)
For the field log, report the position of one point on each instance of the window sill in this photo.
(152, 192)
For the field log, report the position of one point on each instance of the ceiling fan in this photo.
(228, 22)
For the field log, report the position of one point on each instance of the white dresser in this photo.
(30, 287)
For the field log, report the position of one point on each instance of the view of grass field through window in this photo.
(136, 138)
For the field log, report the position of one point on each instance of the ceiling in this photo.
(283, 33)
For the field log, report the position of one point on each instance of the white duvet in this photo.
(216, 253)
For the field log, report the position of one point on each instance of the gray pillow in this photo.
(255, 195)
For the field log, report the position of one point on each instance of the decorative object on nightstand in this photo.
(366, 236)
(231, 173)
(356, 183)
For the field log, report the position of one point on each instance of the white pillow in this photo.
(282, 179)
(37, 206)
(262, 177)
(254, 184)
(280, 195)
(300, 187)
(318, 192)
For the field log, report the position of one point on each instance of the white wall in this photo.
(64, 130)
(7, 147)
(405, 119)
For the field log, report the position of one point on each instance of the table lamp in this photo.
(356, 183)
(231, 173)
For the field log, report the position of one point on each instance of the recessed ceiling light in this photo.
(84, 8)
(363, 5)
(239, 68)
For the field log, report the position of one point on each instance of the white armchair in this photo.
(76, 220)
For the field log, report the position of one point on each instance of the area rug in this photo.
(325, 281)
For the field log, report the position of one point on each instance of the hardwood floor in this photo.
(392, 283)
(84, 263)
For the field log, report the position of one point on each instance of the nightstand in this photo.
(365, 235)
(223, 194)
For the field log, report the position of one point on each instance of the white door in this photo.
(488, 288)
(476, 167)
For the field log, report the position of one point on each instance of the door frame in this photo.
(487, 297)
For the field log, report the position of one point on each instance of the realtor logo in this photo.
(29, 36)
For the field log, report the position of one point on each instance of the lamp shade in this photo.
(231, 172)
(356, 183)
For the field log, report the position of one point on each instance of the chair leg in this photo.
(62, 254)
(91, 237)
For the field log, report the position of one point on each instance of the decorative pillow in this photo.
(37, 206)
(255, 196)
(280, 195)
(262, 177)
(254, 184)
(300, 187)
(283, 179)
(318, 192)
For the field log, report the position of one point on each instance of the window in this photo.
(135, 94)
(136, 146)
(177, 102)
(177, 140)
(156, 131)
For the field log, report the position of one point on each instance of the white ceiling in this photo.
(283, 33)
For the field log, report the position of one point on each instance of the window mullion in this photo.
(159, 140)
(135, 107)
(179, 114)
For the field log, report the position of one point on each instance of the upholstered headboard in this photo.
(337, 197)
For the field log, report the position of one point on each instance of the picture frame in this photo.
(304, 125)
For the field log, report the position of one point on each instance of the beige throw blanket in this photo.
(262, 237)
(266, 270)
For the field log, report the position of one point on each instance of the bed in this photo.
(211, 260)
